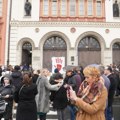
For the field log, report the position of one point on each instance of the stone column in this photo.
(107, 59)
(36, 59)
(72, 58)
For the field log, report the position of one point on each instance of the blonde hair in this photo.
(91, 71)
(43, 71)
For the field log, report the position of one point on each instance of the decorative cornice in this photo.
(65, 24)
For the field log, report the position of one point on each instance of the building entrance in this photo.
(54, 46)
(27, 53)
(89, 51)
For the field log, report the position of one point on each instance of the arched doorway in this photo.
(116, 53)
(54, 46)
(27, 53)
(89, 51)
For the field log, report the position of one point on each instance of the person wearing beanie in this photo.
(56, 70)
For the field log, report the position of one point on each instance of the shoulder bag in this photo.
(3, 105)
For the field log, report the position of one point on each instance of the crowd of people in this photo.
(79, 94)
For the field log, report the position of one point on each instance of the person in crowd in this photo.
(78, 79)
(56, 71)
(59, 99)
(106, 80)
(70, 80)
(25, 97)
(111, 92)
(6, 93)
(25, 68)
(91, 97)
(81, 74)
(35, 76)
(42, 98)
(30, 68)
(7, 70)
(115, 72)
(0, 71)
(16, 76)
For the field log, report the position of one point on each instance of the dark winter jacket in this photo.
(35, 77)
(7, 90)
(26, 109)
(60, 100)
(70, 80)
(16, 78)
(111, 89)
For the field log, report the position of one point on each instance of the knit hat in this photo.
(56, 70)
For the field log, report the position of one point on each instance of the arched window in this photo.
(116, 46)
(27, 46)
(56, 43)
(89, 43)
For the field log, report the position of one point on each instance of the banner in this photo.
(59, 63)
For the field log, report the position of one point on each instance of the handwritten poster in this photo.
(58, 62)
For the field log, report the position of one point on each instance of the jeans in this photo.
(108, 113)
(63, 114)
(72, 112)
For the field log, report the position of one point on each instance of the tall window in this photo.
(1, 1)
(46, 7)
(90, 8)
(63, 8)
(81, 7)
(72, 7)
(98, 8)
(54, 7)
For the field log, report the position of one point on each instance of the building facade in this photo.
(3, 22)
(83, 31)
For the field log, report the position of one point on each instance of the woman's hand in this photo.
(71, 94)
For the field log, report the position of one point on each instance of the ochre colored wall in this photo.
(3, 20)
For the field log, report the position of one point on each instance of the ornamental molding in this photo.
(65, 24)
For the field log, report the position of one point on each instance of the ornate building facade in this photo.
(82, 31)
(3, 17)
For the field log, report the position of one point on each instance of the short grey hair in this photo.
(101, 69)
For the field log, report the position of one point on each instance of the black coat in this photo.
(60, 100)
(7, 90)
(26, 109)
(16, 78)
(35, 77)
(111, 89)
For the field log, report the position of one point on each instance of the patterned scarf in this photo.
(90, 93)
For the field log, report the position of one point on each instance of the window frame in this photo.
(70, 8)
(79, 9)
(61, 8)
(43, 8)
(51, 2)
(92, 13)
(101, 8)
